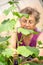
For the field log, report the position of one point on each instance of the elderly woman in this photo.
(30, 24)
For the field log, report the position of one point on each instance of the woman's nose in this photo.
(27, 24)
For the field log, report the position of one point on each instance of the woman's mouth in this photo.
(27, 27)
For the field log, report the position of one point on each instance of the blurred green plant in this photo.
(26, 31)
(28, 51)
(6, 54)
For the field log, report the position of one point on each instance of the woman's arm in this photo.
(40, 38)
(12, 40)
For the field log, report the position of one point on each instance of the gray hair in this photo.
(30, 11)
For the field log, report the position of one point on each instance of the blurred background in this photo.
(37, 4)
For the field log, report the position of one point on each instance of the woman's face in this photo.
(28, 23)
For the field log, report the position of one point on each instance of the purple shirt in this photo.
(33, 40)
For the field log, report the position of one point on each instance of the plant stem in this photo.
(19, 42)
(11, 61)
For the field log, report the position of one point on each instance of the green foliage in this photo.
(25, 31)
(5, 21)
(4, 43)
(26, 51)
(21, 50)
(26, 64)
(2, 60)
(40, 57)
(19, 60)
(20, 15)
(5, 52)
(8, 52)
(10, 9)
(34, 50)
(12, 2)
(2, 39)
(2, 63)
(7, 25)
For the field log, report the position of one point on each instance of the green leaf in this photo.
(8, 52)
(34, 50)
(7, 25)
(40, 57)
(26, 15)
(20, 15)
(24, 51)
(12, 23)
(4, 43)
(3, 46)
(26, 64)
(35, 32)
(25, 31)
(1, 63)
(7, 11)
(17, 14)
(2, 59)
(11, 2)
(28, 51)
(2, 39)
(12, 8)
(5, 21)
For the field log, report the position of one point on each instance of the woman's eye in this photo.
(30, 21)
(25, 21)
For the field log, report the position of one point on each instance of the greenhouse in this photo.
(21, 32)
